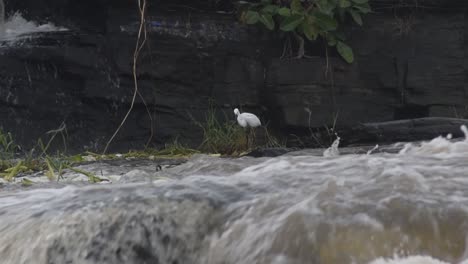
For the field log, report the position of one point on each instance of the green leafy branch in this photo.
(310, 19)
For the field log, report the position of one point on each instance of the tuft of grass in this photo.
(171, 150)
(10, 173)
(91, 176)
(222, 137)
(5, 164)
(271, 141)
(8, 147)
(57, 164)
(323, 137)
(175, 149)
(26, 182)
(53, 165)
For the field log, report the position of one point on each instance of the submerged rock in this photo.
(128, 225)
(288, 209)
(107, 172)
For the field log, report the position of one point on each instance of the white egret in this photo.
(247, 119)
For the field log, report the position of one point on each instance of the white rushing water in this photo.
(411, 260)
(16, 27)
(404, 208)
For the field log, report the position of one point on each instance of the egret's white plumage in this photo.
(247, 119)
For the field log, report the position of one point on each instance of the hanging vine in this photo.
(139, 45)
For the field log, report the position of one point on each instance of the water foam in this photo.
(411, 260)
(441, 147)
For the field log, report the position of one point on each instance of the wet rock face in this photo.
(408, 65)
(95, 15)
(85, 80)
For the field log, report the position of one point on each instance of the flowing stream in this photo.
(409, 207)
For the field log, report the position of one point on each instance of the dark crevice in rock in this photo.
(411, 112)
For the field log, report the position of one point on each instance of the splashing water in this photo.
(373, 149)
(16, 27)
(333, 150)
(405, 208)
(439, 147)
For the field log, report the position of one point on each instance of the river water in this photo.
(409, 207)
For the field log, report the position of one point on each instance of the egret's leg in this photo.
(251, 138)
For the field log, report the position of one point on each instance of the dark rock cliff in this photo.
(411, 62)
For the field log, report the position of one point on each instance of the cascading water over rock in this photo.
(406, 207)
(16, 27)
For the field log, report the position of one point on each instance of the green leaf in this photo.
(325, 22)
(268, 21)
(296, 6)
(27, 182)
(300, 29)
(339, 35)
(341, 13)
(91, 177)
(345, 52)
(76, 158)
(363, 8)
(345, 3)
(13, 171)
(361, 1)
(269, 9)
(290, 23)
(284, 11)
(356, 16)
(310, 31)
(326, 6)
(255, 4)
(331, 40)
(251, 17)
